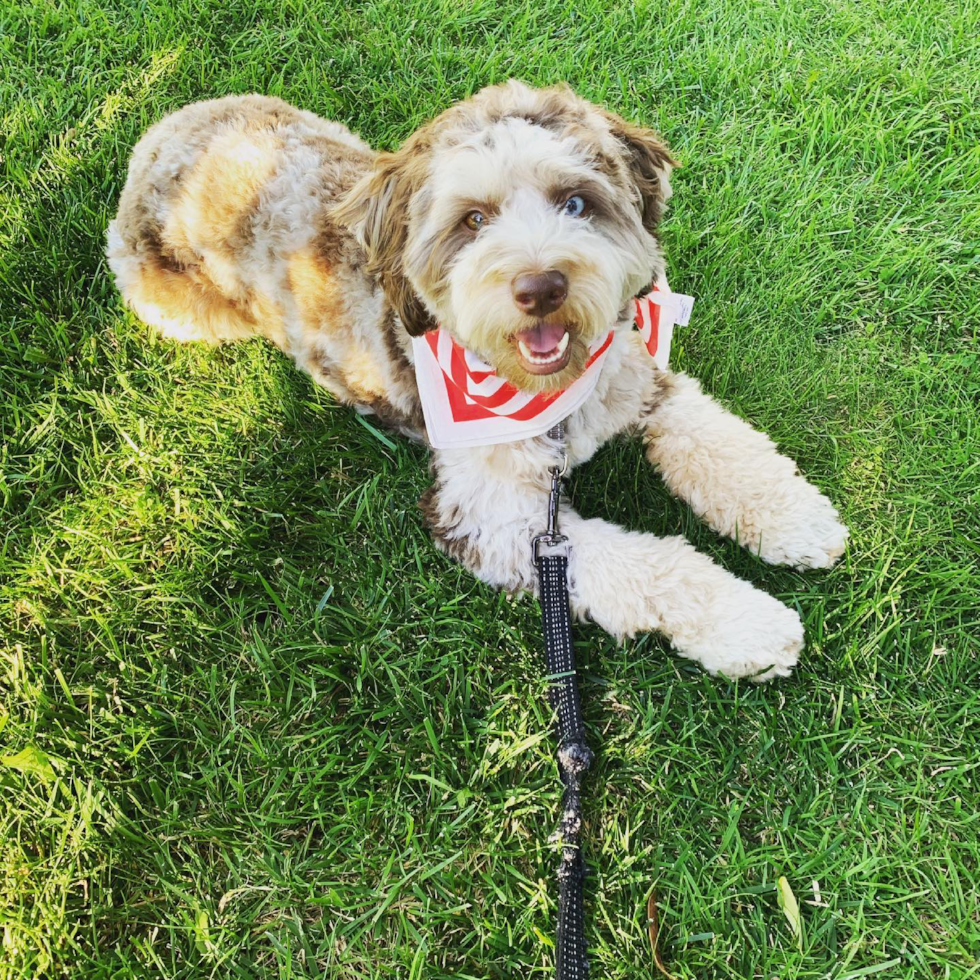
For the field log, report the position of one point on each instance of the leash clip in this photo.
(552, 543)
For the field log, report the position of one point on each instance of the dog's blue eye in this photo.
(574, 206)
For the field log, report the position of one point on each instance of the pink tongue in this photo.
(543, 338)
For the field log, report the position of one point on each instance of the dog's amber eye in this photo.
(575, 206)
(475, 220)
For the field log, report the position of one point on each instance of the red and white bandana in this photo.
(466, 404)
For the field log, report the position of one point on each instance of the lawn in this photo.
(253, 725)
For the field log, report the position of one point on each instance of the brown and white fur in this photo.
(245, 216)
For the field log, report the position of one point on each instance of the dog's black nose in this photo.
(540, 293)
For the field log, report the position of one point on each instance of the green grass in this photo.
(267, 731)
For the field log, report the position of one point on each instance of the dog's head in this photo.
(520, 220)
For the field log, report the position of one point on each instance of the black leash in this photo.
(550, 552)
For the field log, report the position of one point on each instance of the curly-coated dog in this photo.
(522, 223)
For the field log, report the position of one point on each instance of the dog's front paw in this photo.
(801, 528)
(750, 635)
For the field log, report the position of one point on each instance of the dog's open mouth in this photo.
(543, 349)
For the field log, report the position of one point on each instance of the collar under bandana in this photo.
(466, 404)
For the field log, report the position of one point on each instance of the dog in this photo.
(522, 223)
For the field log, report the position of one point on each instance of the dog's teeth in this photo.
(534, 358)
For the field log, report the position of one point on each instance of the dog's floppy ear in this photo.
(650, 163)
(376, 211)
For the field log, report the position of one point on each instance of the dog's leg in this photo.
(733, 478)
(485, 507)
